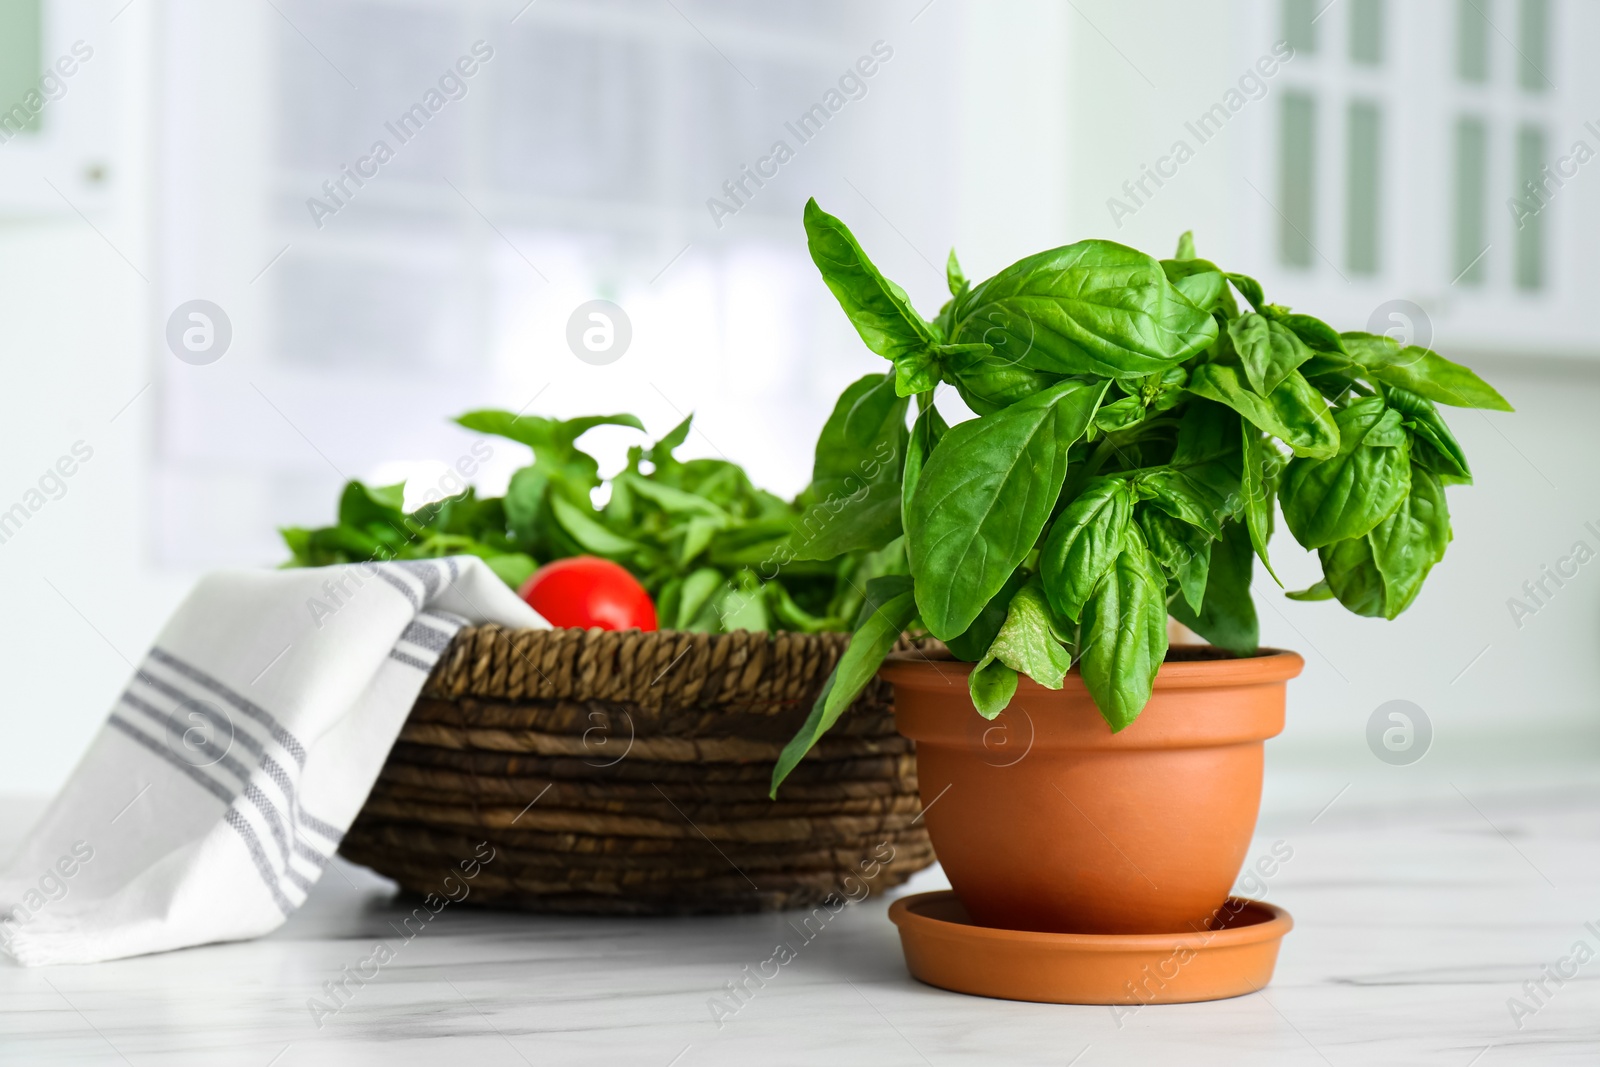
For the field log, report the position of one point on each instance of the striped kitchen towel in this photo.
(211, 800)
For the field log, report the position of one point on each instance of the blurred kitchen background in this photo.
(1369, 160)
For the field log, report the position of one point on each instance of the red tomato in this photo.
(587, 591)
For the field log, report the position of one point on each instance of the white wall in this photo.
(81, 597)
(1536, 688)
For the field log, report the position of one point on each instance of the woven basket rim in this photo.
(647, 668)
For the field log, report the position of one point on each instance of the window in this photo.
(1492, 122)
(21, 59)
(1384, 179)
(1296, 179)
(1348, 147)
(1472, 40)
(1362, 182)
(1366, 32)
(1533, 45)
(1300, 25)
(1529, 235)
(581, 160)
(1471, 199)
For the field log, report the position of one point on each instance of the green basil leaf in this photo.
(1027, 642)
(787, 614)
(1432, 458)
(1183, 497)
(920, 371)
(672, 501)
(588, 532)
(1423, 372)
(668, 596)
(1353, 576)
(1259, 487)
(693, 595)
(1185, 246)
(1227, 616)
(513, 568)
(1345, 497)
(1084, 542)
(741, 606)
(954, 278)
(916, 371)
(879, 309)
(372, 525)
(983, 497)
(619, 510)
(1182, 550)
(1199, 280)
(1119, 415)
(1333, 375)
(1091, 308)
(926, 433)
(1219, 486)
(696, 537)
(525, 503)
(854, 572)
(1268, 349)
(759, 543)
(1209, 433)
(889, 608)
(1316, 334)
(537, 432)
(973, 643)
(1388, 431)
(559, 468)
(315, 548)
(660, 454)
(991, 685)
(1370, 348)
(790, 615)
(1318, 590)
(988, 382)
(1380, 574)
(1407, 544)
(1294, 413)
(1250, 289)
(854, 500)
(363, 505)
(1160, 392)
(1123, 638)
(1433, 446)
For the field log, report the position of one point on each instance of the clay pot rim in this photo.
(913, 911)
(914, 670)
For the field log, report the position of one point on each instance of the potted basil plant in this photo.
(1135, 421)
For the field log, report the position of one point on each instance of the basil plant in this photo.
(1135, 419)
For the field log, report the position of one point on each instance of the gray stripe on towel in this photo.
(411, 661)
(434, 641)
(283, 737)
(269, 877)
(204, 780)
(402, 585)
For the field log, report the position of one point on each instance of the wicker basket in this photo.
(627, 773)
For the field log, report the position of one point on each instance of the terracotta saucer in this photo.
(945, 948)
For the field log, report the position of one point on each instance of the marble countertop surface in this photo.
(1426, 910)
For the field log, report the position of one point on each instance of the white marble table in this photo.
(1423, 901)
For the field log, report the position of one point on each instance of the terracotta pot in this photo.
(1045, 820)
